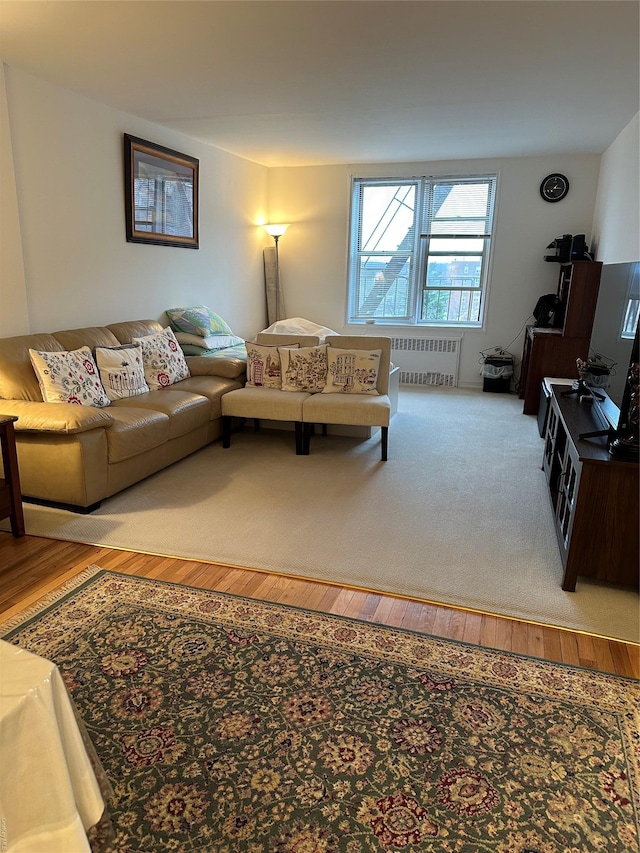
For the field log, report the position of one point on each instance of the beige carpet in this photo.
(459, 514)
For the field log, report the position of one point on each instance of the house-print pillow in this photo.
(198, 320)
(121, 371)
(69, 377)
(303, 369)
(162, 358)
(263, 365)
(352, 371)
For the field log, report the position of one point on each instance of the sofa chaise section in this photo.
(269, 404)
(305, 409)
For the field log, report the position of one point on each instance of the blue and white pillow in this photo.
(198, 320)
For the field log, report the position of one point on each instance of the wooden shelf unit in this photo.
(553, 352)
(594, 495)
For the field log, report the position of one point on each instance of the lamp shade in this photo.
(275, 230)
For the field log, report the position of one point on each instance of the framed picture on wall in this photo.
(160, 194)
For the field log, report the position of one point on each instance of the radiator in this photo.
(427, 361)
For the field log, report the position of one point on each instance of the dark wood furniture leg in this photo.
(226, 431)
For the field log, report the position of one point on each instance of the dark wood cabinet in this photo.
(10, 494)
(553, 352)
(593, 494)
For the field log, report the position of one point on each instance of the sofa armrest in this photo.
(54, 417)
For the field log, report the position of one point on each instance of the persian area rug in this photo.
(228, 724)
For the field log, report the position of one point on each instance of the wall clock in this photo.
(554, 187)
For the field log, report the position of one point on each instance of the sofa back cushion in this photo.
(18, 380)
(92, 337)
(128, 330)
(276, 340)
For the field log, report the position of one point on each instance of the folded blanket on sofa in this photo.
(298, 326)
(211, 342)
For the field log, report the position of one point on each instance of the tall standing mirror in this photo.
(616, 321)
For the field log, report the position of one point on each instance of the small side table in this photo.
(10, 494)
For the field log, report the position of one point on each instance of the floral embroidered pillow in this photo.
(121, 371)
(199, 320)
(303, 369)
(69, 377)
(263, 365)
(352, 371)
(163, 360)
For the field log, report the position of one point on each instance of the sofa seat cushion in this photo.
(187, 412)
(211, 387)
(264, 403)
(135, 431)
(355, 409)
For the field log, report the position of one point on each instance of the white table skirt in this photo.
(49, 795)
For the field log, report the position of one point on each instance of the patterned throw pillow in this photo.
(69, 377)
(121, 370)
(199, 320)
(303, 369)
(163, 360)
(352, 371)
(263, 365)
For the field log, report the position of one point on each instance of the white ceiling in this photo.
(302, 82)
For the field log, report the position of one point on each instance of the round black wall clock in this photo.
(554, 187)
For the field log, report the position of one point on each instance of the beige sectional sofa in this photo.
(77, 455)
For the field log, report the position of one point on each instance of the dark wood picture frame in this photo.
(160, 194)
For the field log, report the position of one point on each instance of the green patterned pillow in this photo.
(198, 320)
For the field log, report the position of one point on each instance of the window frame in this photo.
(420, 253)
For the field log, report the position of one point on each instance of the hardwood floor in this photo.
(32, 566)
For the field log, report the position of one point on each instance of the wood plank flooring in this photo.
(31, 566)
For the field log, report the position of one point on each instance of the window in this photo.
(419, 249)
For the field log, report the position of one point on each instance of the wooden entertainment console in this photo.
(593, 494)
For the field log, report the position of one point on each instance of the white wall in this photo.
(616, 220)
(78, 268)
(313, 252)
(14, 317)
(616, 226)
(65, 260)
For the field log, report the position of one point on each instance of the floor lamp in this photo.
(276, 231)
